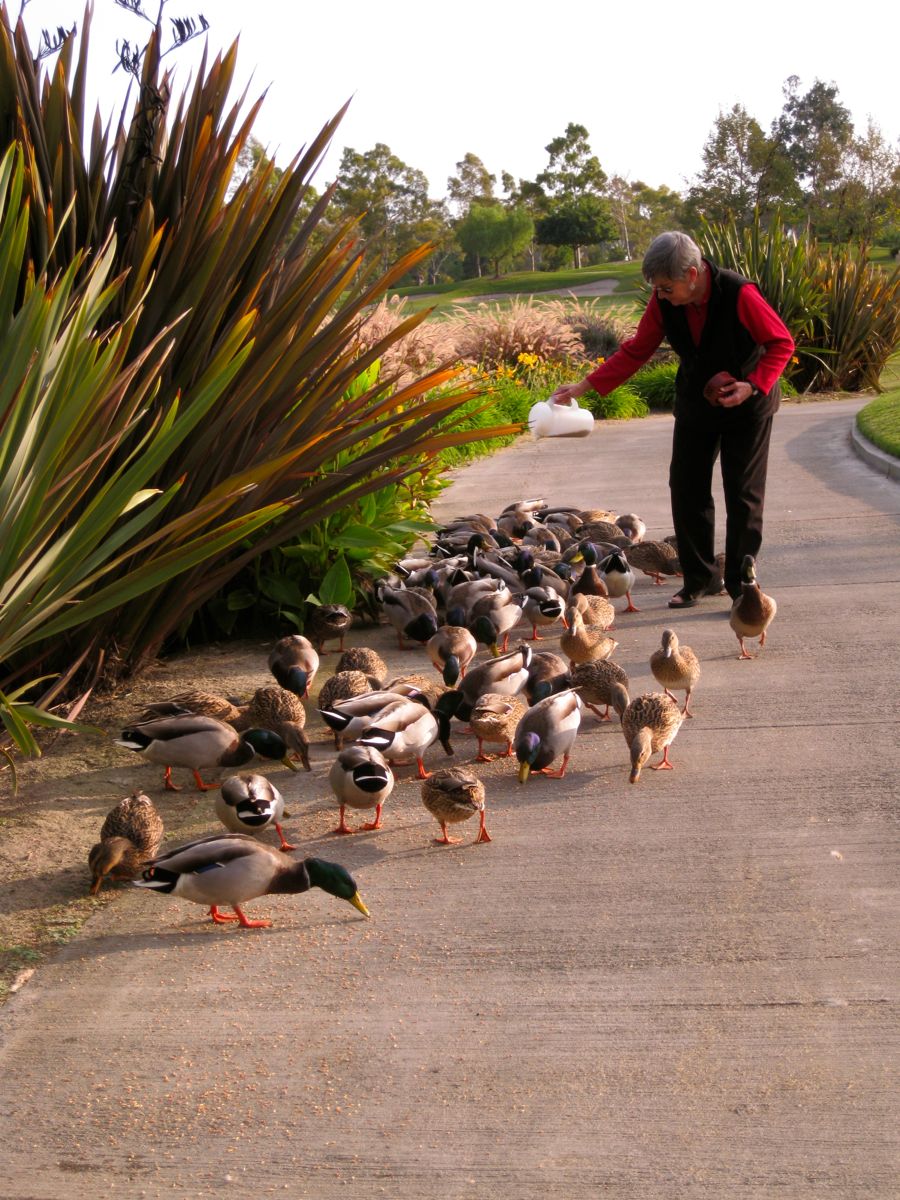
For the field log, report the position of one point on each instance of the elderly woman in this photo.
(733, 347)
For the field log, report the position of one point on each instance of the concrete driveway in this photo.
(683, 988)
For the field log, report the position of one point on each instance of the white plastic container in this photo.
(560, 420)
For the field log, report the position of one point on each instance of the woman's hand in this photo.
(735, 393)
(567, 392)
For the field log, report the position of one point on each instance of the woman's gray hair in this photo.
(669, 256)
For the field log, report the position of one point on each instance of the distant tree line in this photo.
(812, 168)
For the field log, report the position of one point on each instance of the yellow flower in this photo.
(794, 358)
(600, 361)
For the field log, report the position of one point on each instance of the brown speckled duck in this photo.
(601, 682)
(676, 667)
(276, 708)
(494, 719)
(129, 837)
(753, 611)
(583, 643)
(454, 795)
(649, 724)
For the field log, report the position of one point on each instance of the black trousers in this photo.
(742, 445)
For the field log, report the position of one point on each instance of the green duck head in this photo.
(527, 751)
(267, 744)
(336, 880)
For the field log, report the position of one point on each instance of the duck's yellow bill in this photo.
(357, 903)
(524, 771)
(289, 762)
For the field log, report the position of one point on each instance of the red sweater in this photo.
(759, 319)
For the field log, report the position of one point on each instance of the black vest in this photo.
(725, 345)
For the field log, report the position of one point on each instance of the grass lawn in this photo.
(627, 276)
(879, 421)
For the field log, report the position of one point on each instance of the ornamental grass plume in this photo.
(495, 335)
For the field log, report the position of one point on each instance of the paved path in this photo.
(685, 988)
(599, 287)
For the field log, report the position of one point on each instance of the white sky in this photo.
(501, 80)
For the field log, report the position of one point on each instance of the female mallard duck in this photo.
(599, 530)
(294, 662)
(363, 658)
(507, 675)
(276, 708)
(414, 684)
(632, 526)
(753, 611)
(342, 685)
(360, 778)
(129, 837)
(199, 743)
(451, 796)
(583, 643)
(404, 730)
(655, 559)
(232, 868)
(412, 613)
(494, 719)
(451, 650)
(619, 578)
(204, 704)
(548, 673)
(327, 621)
(250, 804)
(650, 723)
(676, 667)
(542, 606)
(547, 732)
(595, 610)
(601, 682)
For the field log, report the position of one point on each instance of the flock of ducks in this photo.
(532, 566)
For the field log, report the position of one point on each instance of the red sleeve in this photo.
(767, 329)
(632, 353)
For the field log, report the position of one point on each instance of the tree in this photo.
(743, 171)
(493, 232)
(576, 222)
(572, 171)
(472, 184)
(814, 130)
(388, 196)
(866, 198)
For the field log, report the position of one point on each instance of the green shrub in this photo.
(620, 405)
(655, 384)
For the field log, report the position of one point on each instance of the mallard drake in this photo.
(232, 868)
(583, 643)
(205, 704)
(547, 732)
(363, 658)
(294, 662)
(595, 610)
(590, 582)
(451, 796)
(356, 714)
(547, 673)
(199, 743)
(404, 730)
(129, 837)
(507, 675)
(342, 685)
(494, 719)
(451, 650)
(655, 559)
(676, 667)
(282, 711)
(491, 623)
(619, 578)
(360, 778)
(412, 613)
(753, 611)
(327, 621)
(650, 723)
(250, 804)
(601, 682)
(542, 606)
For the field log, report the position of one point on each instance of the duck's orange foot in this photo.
(221, 918)
(246, 923)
